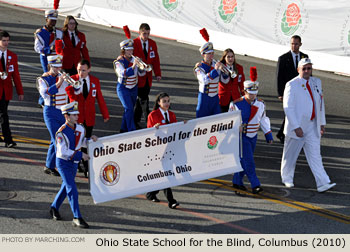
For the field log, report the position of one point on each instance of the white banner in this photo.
(256, 28)
(145, 160)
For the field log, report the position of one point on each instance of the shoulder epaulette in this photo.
(261, 100)
(45, 74)
(61, 128)
(38, 30)
(238, 100)
(197, 64)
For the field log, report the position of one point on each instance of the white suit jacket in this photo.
(297, 105)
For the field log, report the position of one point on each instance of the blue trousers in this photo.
(127, 97)
(67, 170)
(54, 120)
(247, 162)
(207, 105)
(43, 61)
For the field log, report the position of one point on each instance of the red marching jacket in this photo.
(72, 55)
(86, 107)
(152, 58)
(12, 74)
(233, 89)
(156, 117)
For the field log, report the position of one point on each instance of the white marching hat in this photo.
(55, 60)
(51, 14)
(252, 85)
(70, 108)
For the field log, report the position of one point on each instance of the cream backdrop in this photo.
(252, 27)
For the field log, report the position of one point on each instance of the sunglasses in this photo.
(306, 68)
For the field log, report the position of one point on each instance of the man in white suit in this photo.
(304, 108)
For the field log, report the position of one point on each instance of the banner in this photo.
(146, 160)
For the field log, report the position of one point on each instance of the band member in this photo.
(72, 46)
(304, 108)
(208, 74)
(51, 86)
(253, 116)
(146, 50)
(287, 69)
(127, 70)
(9, 75)
(161, 115)
(86, 96)
(45, 38)
(70, 137)
(231, 82)
(44, 43)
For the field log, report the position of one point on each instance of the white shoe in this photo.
(289, 185)
(325, 187)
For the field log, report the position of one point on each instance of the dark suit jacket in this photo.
(286, 70)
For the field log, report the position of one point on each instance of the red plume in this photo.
(55, 4)
(205, 34)
(253, 74)
(126, 31)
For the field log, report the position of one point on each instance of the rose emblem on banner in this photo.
(291, 19)
(227, 10)
(212, 143)
(110, 173)
(170, 5)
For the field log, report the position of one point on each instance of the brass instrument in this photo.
(142, 66)
(3, 75)
(226, 70)
(76, 84)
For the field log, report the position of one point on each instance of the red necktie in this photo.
(312, 98)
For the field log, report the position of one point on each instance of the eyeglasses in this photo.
(306, 68)
(72, 23)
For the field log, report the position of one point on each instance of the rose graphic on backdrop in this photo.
(170, 5)
(291, 19)
(212, 143)
(227, 10)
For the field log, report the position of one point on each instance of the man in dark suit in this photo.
(287, 69)
(9, 76)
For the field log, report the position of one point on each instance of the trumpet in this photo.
(142, 65)
(76, 84)
(3, 75)
(226, 70)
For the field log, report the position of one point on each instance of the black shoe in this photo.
(51, 172)
(55, 173)
(47, 170)
(80, 223)
(173, 205)
(1, 140)
(10, 145)
(240, 187)
(281, 138)
(257, 190)
(154, 199)
(55, 214)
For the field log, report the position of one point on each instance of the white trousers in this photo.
(311, 144)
